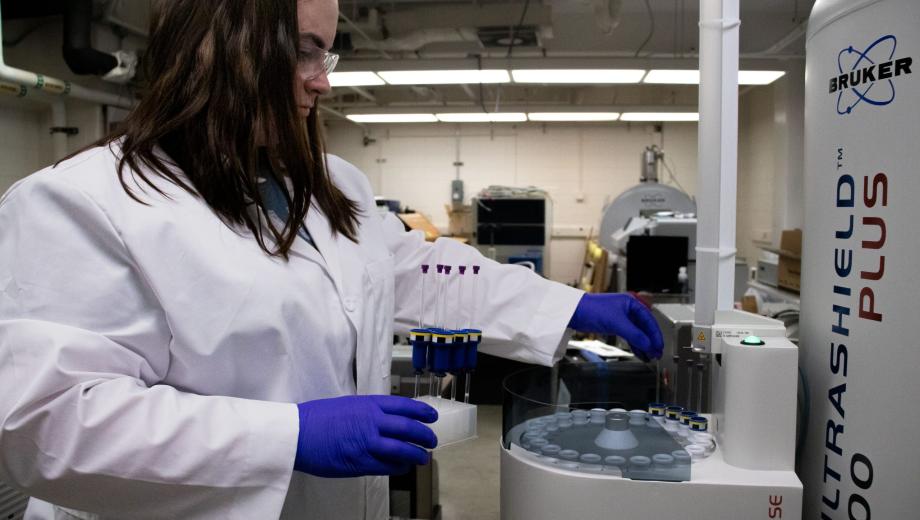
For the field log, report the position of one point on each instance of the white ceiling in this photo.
(575, 27)
(771, 30)
(572, 33)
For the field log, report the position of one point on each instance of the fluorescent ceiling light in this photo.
(444, 77)
(573, 116)
(577, 75)
(354, 79)
(692, 77)
(759, 77)
(393, 118)
(481, 117)
(660, 116)
(673, 77)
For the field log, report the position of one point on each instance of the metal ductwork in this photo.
(418, 39)
(481, 24)
(607, 14)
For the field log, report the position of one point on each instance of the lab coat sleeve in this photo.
(523, 316)
(85, 422)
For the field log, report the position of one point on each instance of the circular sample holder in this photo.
(587, 431)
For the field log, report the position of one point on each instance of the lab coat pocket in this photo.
(377, 326)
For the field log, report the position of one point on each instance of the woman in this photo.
(196, 315)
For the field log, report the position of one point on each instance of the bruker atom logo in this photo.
(865, 76)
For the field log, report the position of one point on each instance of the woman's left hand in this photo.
(621, 315)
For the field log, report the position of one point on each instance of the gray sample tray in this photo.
(578, 449)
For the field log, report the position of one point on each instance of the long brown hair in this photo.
(220, 73)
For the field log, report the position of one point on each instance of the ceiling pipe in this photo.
(359, 2)
(363, 93)
(336, 113)
(469, 92)
(420, 38)
(363, 34)
(55, 86)
(532, 55)
(796, 33)
(607, 14)
(79, 53)
(372, 26)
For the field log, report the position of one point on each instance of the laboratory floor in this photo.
(469, 471)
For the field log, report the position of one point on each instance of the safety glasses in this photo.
(313, 61)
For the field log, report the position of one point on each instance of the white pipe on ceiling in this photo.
(718, 164)
(54, 86)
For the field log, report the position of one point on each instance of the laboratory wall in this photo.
(757, 173)
(26, 144)
(583, 167)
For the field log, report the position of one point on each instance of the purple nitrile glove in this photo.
(621, 315)
(363, 435)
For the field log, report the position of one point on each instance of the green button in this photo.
(752, 340)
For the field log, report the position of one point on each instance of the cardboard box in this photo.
(460, 220)
(418, 221)
(749, 304)
(789, 269)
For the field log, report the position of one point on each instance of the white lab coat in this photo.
(151, 355)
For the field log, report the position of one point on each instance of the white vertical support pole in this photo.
(718, 165)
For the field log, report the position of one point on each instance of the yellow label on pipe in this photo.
(51, 85)
(55, 87)
(10, 88)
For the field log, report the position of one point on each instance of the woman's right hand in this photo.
(363, 435)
